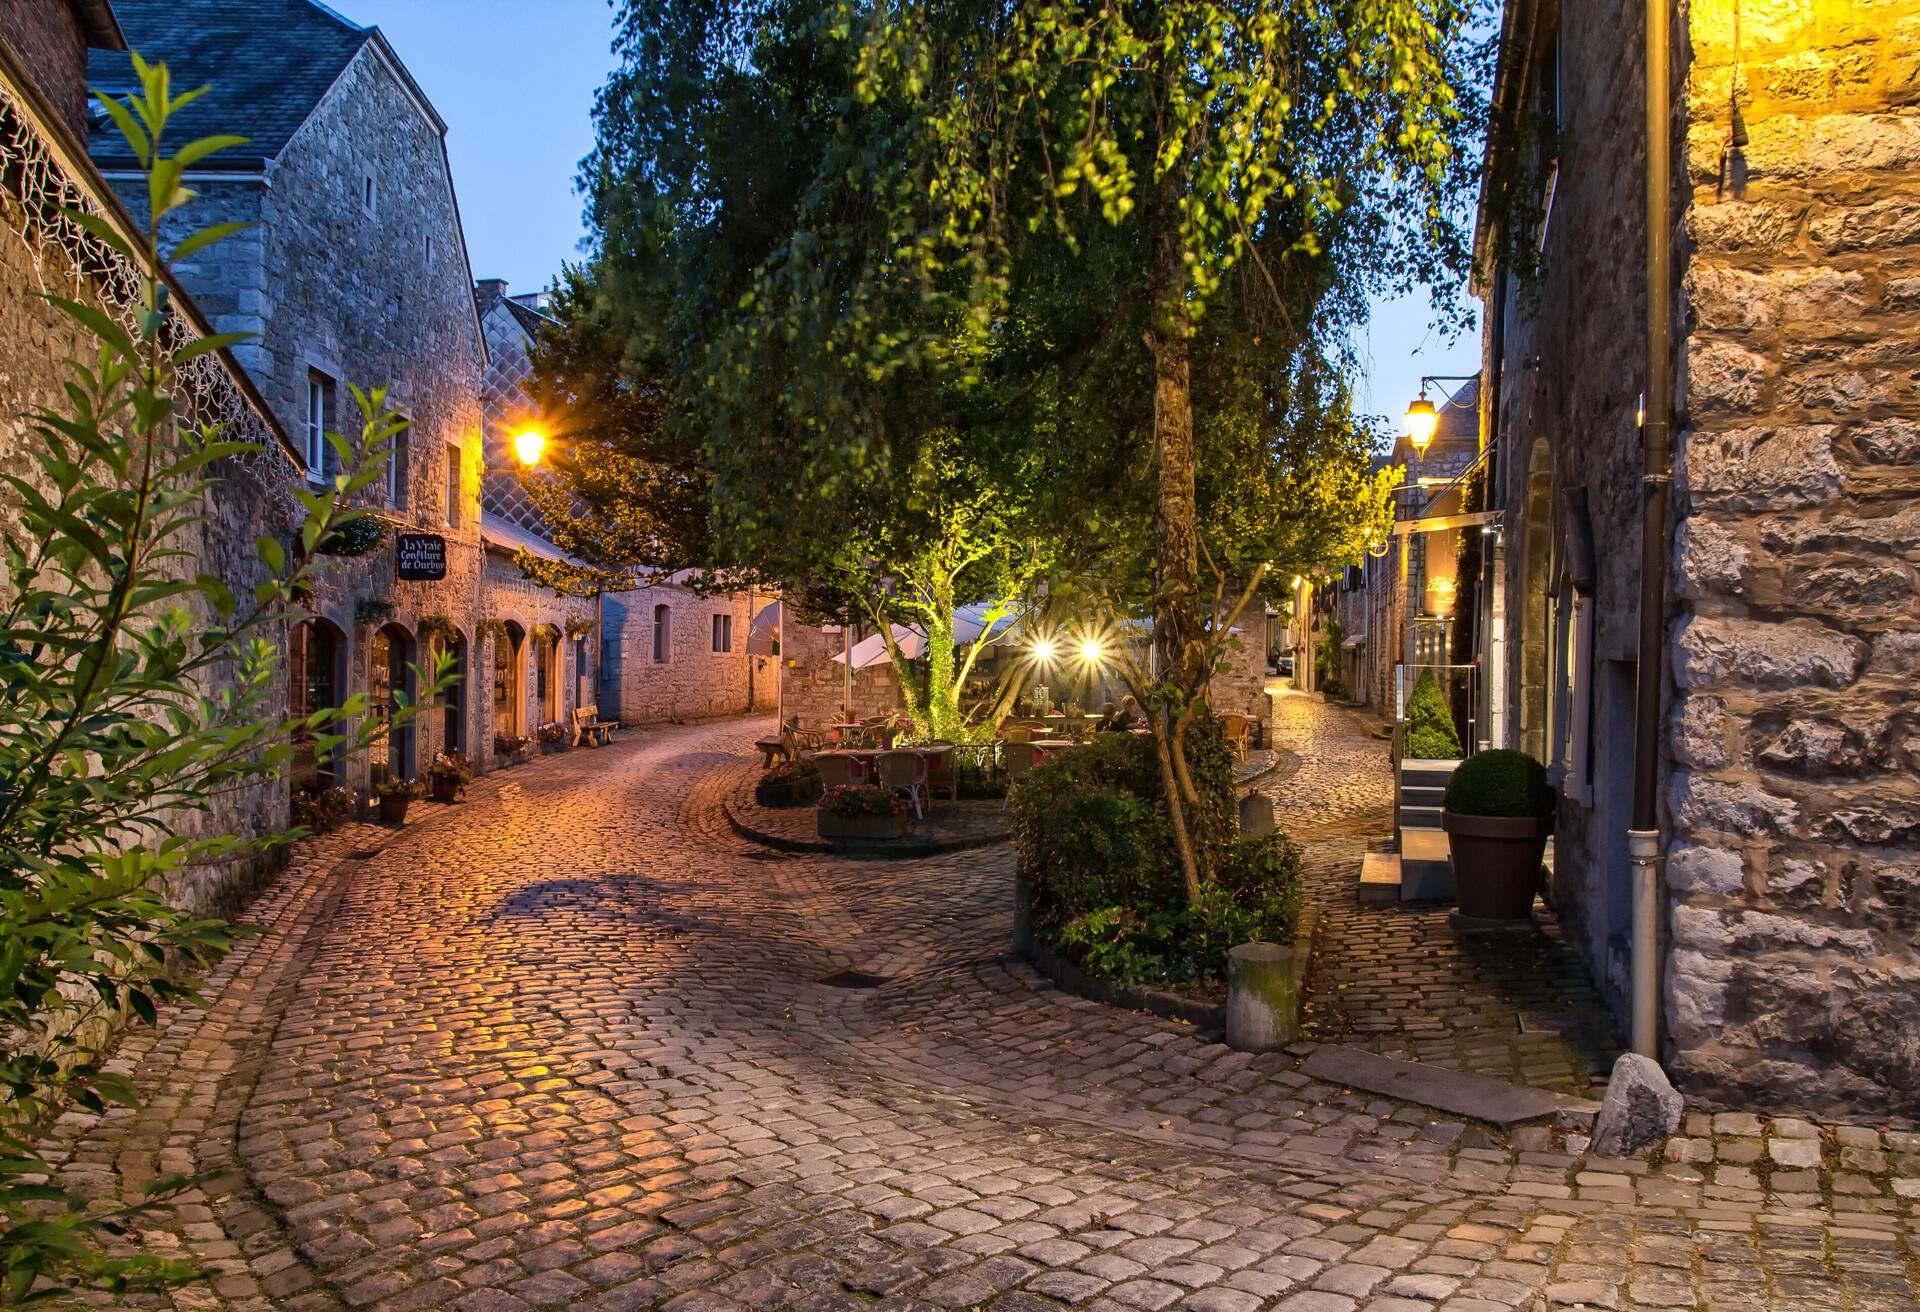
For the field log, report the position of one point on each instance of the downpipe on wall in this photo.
(1643, 839)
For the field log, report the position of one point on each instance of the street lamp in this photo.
(1423, 418)
(529, 446)
(1092, 650)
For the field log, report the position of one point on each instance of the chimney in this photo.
(488, 289)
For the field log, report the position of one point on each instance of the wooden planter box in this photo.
(869, 827)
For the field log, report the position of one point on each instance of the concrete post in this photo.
(1263, 1006)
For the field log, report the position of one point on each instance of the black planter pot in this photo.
(444, 790)
(393, 810)
(1496, 863)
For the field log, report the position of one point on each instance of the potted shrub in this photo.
(553, 737)
(321, 809)
(789, 783)
(395, 796)
(510, 749)
(449, 775)
(1498, 814)
(861, 811)
(1430, 733)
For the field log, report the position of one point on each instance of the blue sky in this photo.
(515, 80)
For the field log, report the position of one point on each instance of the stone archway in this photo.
(1536, 631)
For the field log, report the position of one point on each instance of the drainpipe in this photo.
(1643, 840)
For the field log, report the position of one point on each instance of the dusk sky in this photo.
(515, 82)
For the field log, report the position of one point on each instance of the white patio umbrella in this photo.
(970, 624)
(763, 634)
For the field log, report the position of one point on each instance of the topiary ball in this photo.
(1501, 782)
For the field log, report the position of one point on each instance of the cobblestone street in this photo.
(567, 1044)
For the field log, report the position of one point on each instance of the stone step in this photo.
(1379, 879)
(1421, 795)
(1426, 868)
(1414, 769)
(1484, 1099)
(1419, 817)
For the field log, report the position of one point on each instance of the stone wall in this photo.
(51, 45)
(35, 342)
(511, 687)
(1570, 380)
(1794, 978)
(1240, 684)
(328, 282)
(812, 682)
(695, 680)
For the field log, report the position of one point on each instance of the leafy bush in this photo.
(133, 691)
(1103, 879)
(1501, 782)
(1430, 732)
(1328, 652)
(356, 537)
(411, 789)
(795, 771)
(976, 779)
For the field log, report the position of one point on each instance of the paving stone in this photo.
(485, 1070)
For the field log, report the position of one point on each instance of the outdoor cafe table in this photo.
(1042, 746)
(868, 755)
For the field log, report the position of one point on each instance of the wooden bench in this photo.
(770, 750)
(589, 727)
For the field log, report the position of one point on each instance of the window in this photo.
(454, 482)
(1572, 765)
(369, 194)
(723, 633)
(429, 251)
(662, 634)
(319, 419)
(397, 468)
(582, 672)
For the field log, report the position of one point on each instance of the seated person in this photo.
(1128, 717)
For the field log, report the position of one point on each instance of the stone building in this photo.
(352, 272)
(654, 654)
(1790, 811)
(44, 171)
(543, 656)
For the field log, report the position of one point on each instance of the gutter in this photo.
(1643, 839)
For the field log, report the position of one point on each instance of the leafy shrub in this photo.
(1430, 732)
(356, 537)
(1501, 782)
(788, 783)
(411, 789)
(135, 691)
(976, 778)
(1103, 877)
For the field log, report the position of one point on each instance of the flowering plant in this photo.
(321, 809)
(851, 800)
(452, 765)
(506, 744)
(552, 733)
(398, 787)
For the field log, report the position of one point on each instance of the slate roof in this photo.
(269, 63)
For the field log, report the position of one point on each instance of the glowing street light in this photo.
(1092, 650)
(530, 446)
(1043, 650)
(1422, 419)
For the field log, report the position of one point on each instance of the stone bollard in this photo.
(1263, 1003)
(1256, 815)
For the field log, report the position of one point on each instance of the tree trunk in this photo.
(1176, 621)
(943, 698)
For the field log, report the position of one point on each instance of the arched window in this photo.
(662, 634)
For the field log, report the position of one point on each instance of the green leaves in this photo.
(136, 688)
